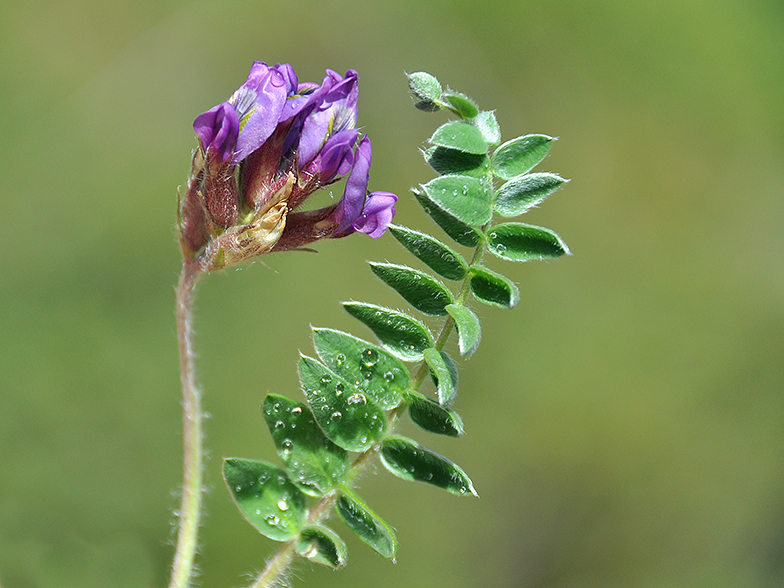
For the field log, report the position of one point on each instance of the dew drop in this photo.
(356, 399)
(465, 189)
(340, 358)
(271, 519)
(296, 410)
(279, 424)
(238, 489)
(389, 376)
(258, 511)
(286, 446)
(454, 192)
(338, 390)
(501, 248)
(369, 357)
(283, 504)
(337, 415)
(326, 379)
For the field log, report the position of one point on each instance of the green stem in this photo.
(193, 465)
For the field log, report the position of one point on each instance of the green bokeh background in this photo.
(625, 422)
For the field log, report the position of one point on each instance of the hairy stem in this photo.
(193, 465)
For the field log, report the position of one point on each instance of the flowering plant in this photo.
(261, 153)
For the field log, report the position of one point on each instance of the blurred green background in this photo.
(625, 422)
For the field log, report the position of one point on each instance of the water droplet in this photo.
(238, 489)
(276, 406)
(501, 248)
(258, 511)
(337, 415)
(363, 439)
(369, 357)
(296, 410)
(326, 379)
(271, 519)
(279, 424)
(338, 390)
(283, 504)
(340, 358)
(493, 235)
(465, 189)
(356, 399)
(368, 375)
(286, 446)
(454, 192)
(389, 376)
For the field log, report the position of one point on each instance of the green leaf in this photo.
(366, 524)
(422, 291)
(346, 415)
(440, 257)
(433, 417)
(521, 242)
(401, 334)
(469, 331)
(461, 104)
(518, 195)
(451, 161)
(425, 90)
(459, 231)
(520, 155)
(460, 135)
(322, 545)
(372, 370)
(266, 497)
(444, 373)
(468, 199)
(407, 459)
(487, 124)
(314, 462)
(492, 288)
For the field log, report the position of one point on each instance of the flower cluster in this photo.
(261, 153)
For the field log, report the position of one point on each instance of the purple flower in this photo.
(377, 214)
(283, 140)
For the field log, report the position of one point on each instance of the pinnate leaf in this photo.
(440, 257)
(466, 198)
(520, 155)
(459, 231)
(487, 124)
(444, 373)
(372, 370)
(469, 331)
(366, 524)
(266, 497)
(322, 545)
(492, 288)
(401, 334)
(422, 291)
(460, 135)
(433, 417)
(346, 415)
(314, 462)
(519, 194)
(407, 459)
(425, 90)
(462, 104)
(451, 161)
(522, 242)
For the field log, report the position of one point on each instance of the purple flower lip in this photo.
(377, 214)
(218, 129)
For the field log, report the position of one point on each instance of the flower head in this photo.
(262, 153)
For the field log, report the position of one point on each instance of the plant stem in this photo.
(193, 465)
